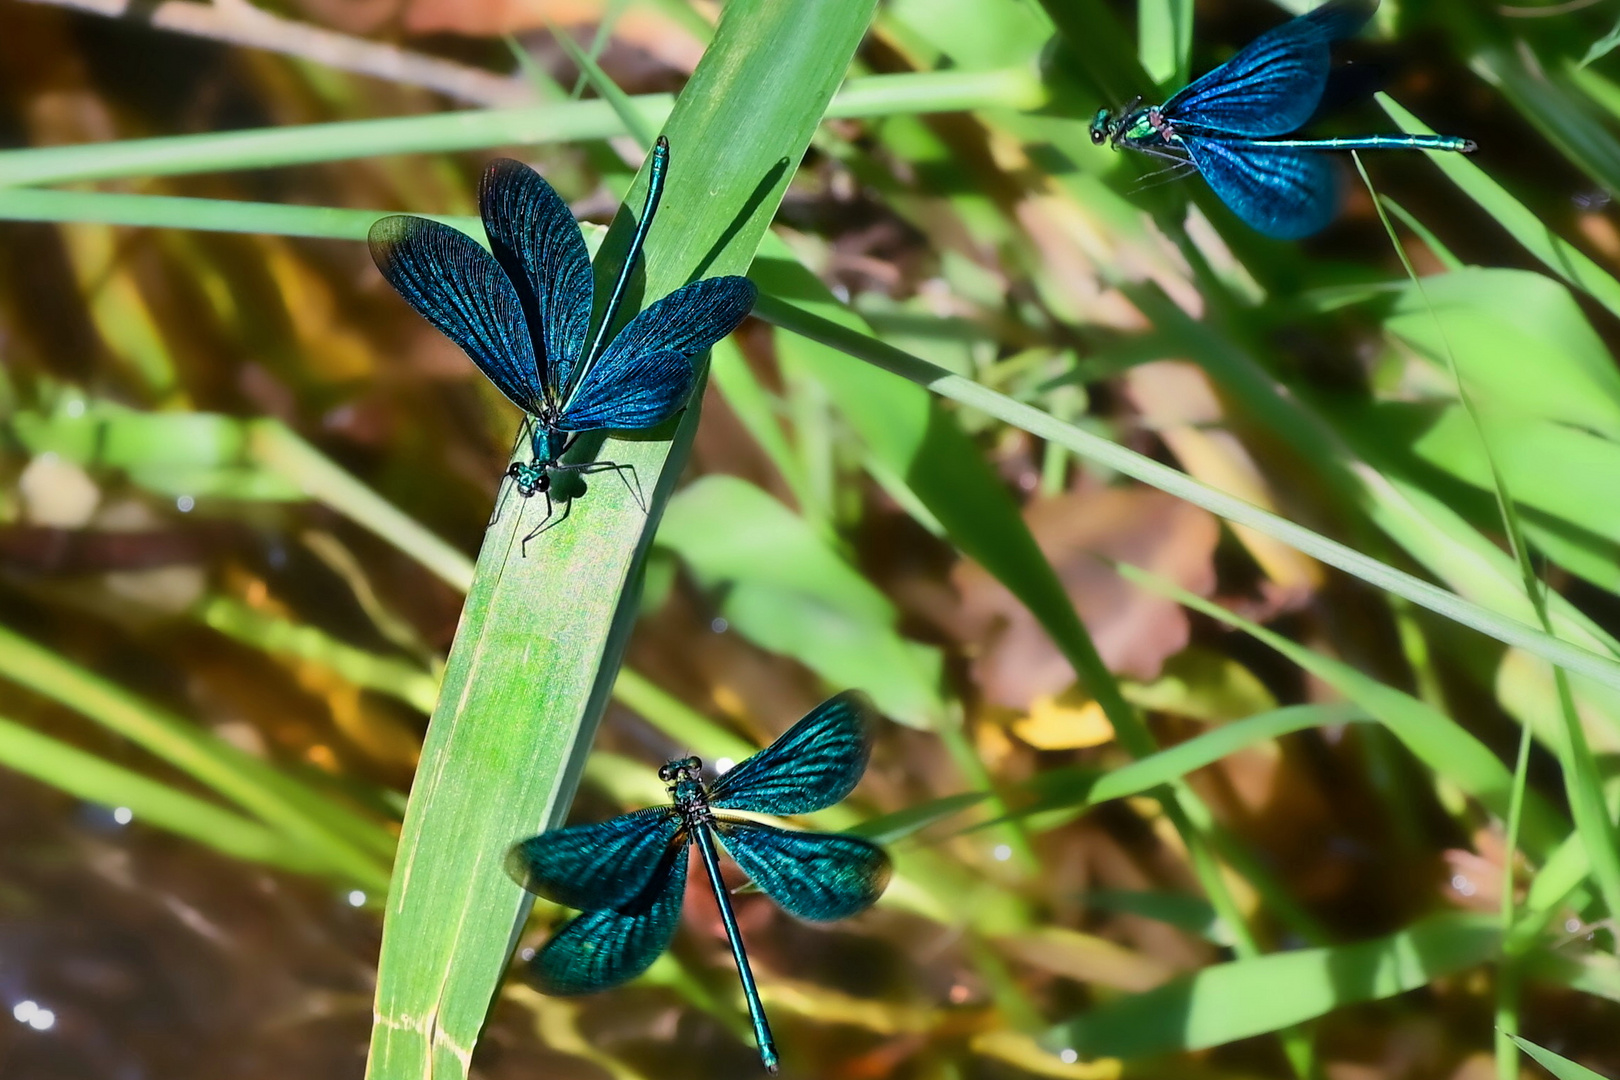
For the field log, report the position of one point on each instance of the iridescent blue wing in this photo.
(537, 241)
(639, 392)
(604, 948)
(1283, 193)
(605, 865)
(1272, 85)
(646, 372)
(816, 876)
(459, 288)
(812, 765)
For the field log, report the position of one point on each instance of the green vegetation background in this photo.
(1245, 611)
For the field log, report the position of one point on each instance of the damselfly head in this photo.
(531, 478)
(680, 768)
(1101, 126)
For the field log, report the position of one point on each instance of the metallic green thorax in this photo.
(546, 445)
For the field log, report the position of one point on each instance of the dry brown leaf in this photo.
(1176, 399)
(1016, 663)
(1056, 723)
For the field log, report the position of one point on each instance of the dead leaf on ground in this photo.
(1016, 663)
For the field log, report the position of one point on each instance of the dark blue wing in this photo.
(1283, 193)
(816, 876)
(645, 373)
(604, 948)
(1272, 85)
(638, 392)
(815, 763)
(537, 241)
(596, 866)
(459, 288)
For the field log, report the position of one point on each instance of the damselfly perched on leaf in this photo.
(1227, 125)
(523, 314)
(628, 874)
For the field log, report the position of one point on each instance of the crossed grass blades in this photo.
(522, 312)
(628, 874)
(1224, 125)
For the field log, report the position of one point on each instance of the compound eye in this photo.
(1097, 136)
(666, 773)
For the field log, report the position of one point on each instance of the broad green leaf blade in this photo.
(1237, 1000)
(540, 637)
(1095, 448)
(788, 590)
(1164, 39)
(1491, 318)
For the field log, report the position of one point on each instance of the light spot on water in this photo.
(123, 815)
(356, 898)
(185, 504)
(719, 625)
(1002, 852)
(1068, 1055)
(723, 765)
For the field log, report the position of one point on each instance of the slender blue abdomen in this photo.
(1452, 143)
(756, 1008)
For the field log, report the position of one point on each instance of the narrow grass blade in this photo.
(207, 215)
(477, 129)
(199, 454)
(345, 844)
(1431, 736)
(922, 446)
(383, 674)
(540, 638)
(1095, 448)
(1237, 1000)
(1560, 256)
(1557, 1064)
(1084, 788)
(624, 106)
(151, 802)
